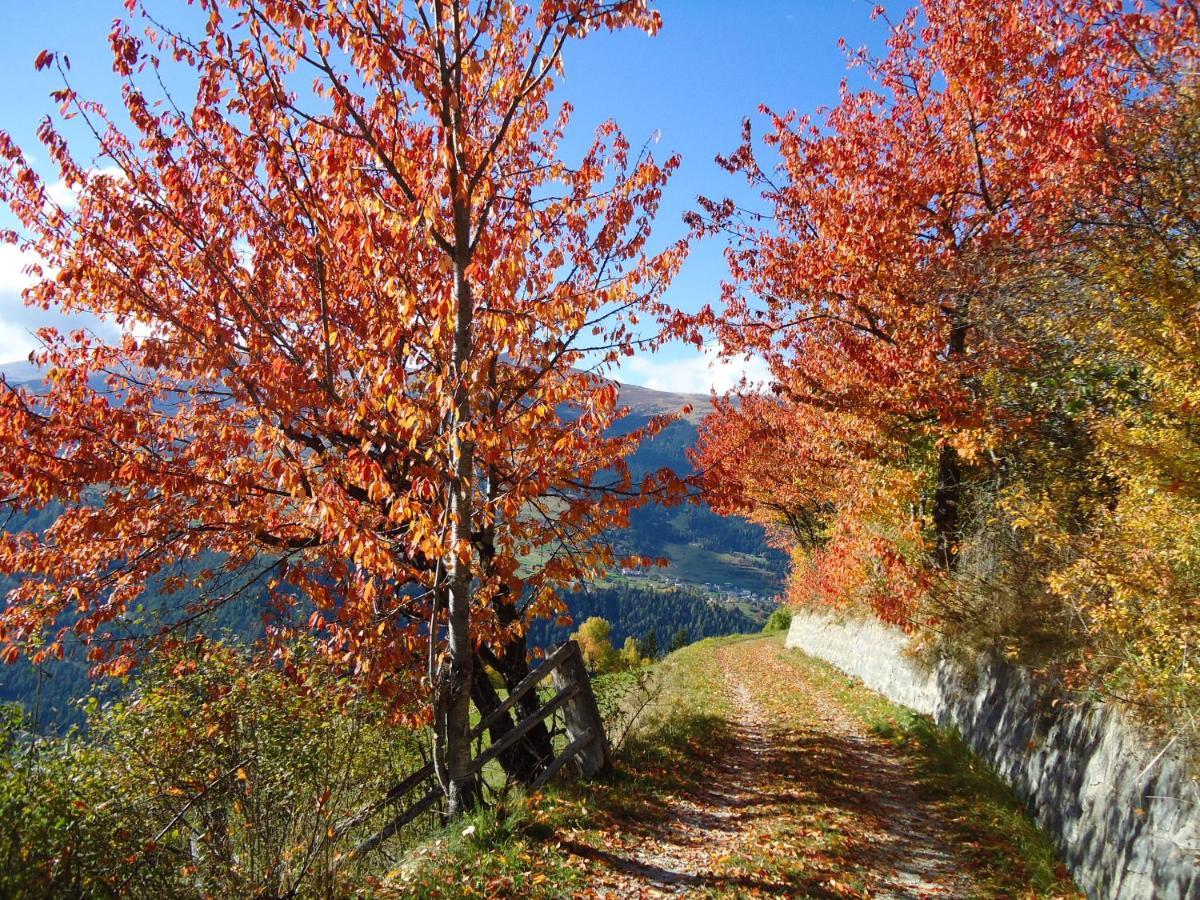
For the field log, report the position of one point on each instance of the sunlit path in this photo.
(793, 790)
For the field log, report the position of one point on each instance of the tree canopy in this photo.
(367, 312)
(968, 280)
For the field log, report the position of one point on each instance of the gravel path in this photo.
(815, 784)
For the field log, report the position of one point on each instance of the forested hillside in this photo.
(665, 617)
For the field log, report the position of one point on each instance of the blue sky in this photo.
(713, 63)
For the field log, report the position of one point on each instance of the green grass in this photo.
(505, 851)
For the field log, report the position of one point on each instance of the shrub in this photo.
(779, 620)
(215, 777)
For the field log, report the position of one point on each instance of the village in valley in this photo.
(727, 594)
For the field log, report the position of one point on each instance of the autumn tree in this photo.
(879, 280)
(595, 643)
(1119, 532)
(828, 494)
(367, 312)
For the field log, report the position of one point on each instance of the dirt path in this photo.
(696, 832)
(798, 799)
(913, 855)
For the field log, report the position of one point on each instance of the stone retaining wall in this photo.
(1127, 815)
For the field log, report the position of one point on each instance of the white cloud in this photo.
(15, 342)
(18, 322)
(68, 198)
(62, 195)
(13, 277)
(695, 373)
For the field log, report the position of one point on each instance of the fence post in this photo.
(582, 715)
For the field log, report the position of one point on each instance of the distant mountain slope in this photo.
(641, 612)
(20, 372)
(647, 402)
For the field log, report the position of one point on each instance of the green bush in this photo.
(65, 828)
(780, 620)
(215, 777)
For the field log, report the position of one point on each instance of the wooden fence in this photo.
(586, 742)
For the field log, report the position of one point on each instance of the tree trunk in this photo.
(536, 749)
(947, 499)
(513, 665)
(524, 760)
(453, 694)
(513, 668)
(946, 507)
(527, 758)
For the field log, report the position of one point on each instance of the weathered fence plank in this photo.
(588, 746)
(562, 698)
(583, 715)
(563, 758)
(525, 685)
(425, 803)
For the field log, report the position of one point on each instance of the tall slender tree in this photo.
(367, 311)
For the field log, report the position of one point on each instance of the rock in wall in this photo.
(1126, 814)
